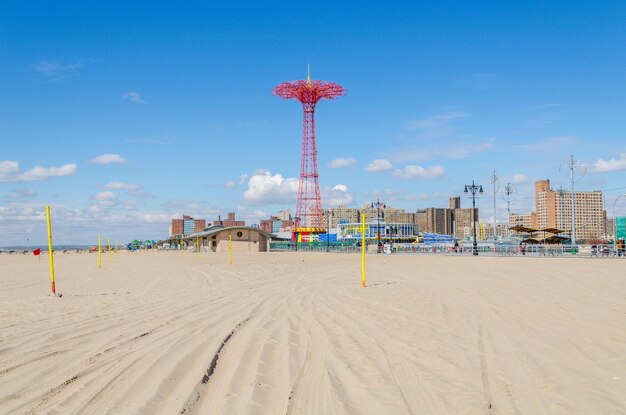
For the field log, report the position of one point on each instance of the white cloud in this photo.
(267, 189)
(418, 172)
(230, 184)
(154, 217)
(379, 165)
(55, 71)
(341, 162)
(338, 195)
(79, 225)
(10, 172)
(106, 196)
(133, 96)
(108, 158)
(519, 179)
(43, 173)
(605, 166)
(131, 189)
(252, 216)
(121, 186)
(8, 166)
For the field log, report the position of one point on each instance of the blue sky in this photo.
(122, 116)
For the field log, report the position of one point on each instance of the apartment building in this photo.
(554, 210)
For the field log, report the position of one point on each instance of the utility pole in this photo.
(509, 189)
(494, 181)
(571, 165)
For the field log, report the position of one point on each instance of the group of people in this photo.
(620, 246)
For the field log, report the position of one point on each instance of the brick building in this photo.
(231, 221)
(187, 225)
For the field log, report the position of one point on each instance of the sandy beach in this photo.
(294, 333)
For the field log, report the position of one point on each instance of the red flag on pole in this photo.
(37, 252)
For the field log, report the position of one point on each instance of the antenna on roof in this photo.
(308, 76)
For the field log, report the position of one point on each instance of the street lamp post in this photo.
(473, 189)
(378, 206)
(615, 224)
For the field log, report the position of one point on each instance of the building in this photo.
(455, 202)
(275, 224)
(389, 231)
(443, 221)
(217, 239)
(464, 218)
(554, 210)
(341, 214)
(186, 226)
(284, 215)
(485, 230)
(230, 222)
(609, 227)
(447, 221)
(528, 220)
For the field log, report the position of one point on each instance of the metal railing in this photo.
(447, 249)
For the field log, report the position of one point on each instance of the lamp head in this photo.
(481, 190)
(465, 191)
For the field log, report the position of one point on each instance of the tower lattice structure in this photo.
(309, 218)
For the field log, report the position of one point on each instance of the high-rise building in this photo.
(554, 210)
(447, 221)
(464, 218)
(186, 226)
(455, 202)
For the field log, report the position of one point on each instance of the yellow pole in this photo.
(99, 253)
(362, 250)
(230, 249)
(109, 250)
(50, 253)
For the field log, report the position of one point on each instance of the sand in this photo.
(285, 333)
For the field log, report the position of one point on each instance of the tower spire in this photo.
(308, 75)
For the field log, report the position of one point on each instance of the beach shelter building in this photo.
(244, 239)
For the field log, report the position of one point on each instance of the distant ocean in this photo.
(21, 248)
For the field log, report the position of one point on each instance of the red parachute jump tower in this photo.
(309, 219)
